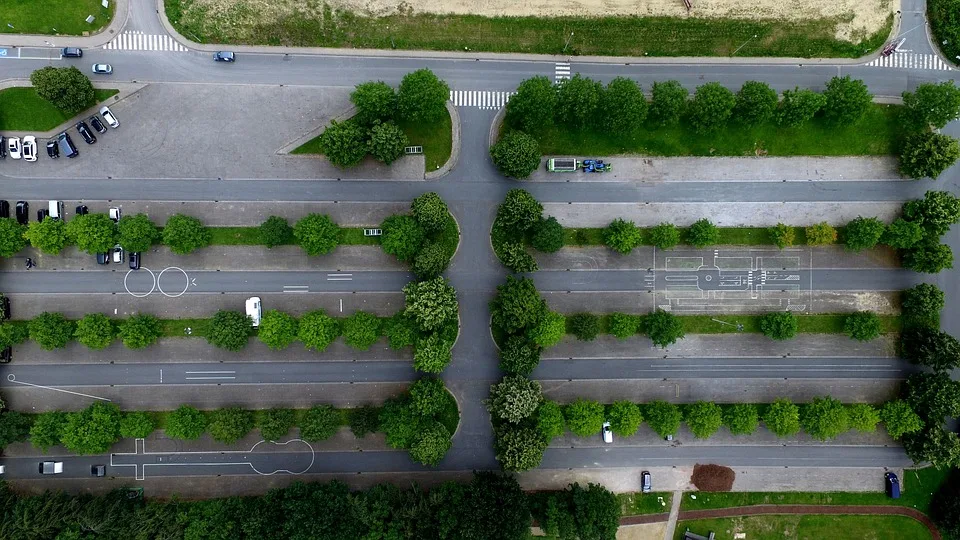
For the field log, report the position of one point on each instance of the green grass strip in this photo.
(825, 323)
(834, 527)
(733, 236)
(637, 504)
(250, 236)
(24, 110)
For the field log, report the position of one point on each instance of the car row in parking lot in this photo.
(26, 148)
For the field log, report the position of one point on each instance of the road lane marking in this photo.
(481, 99)
(905, 60)
(210, 375)
(296, 288)
(561, 71)
(138, 41)
(13, 379)
(339, 277)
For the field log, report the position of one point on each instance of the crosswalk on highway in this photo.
(906, 60)
(138, 41)
(482, 99)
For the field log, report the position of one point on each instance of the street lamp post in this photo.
(742, 46)
(567, 44)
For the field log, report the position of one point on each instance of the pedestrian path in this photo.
(906, 60)
(481, 99)
(138, 41)
(561, 71)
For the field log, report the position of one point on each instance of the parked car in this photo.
(71, 52)
(103, 257)
(134, 260)
(23, 212)
(108, 116)
(30, 148)
(81, 210)
(42, 213)
(3, 147)
(98, 470)
(892, 484)
(4, 209)
(115, 214)
(51, 467)
(253, 310)
(224, 56)
(66, 145)
(97, 124)
(6, 355)
(607, 433)
(102, 69)
(117, 254)
(13, 146)
(53, 151)
(5, 307)
(85, 132)
(55, 209)
(646, 482)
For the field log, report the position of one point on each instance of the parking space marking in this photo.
(339, 277)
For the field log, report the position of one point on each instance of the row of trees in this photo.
(426, 238)
(421, 98)
(519, 222)
(489, 507)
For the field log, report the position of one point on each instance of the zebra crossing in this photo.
(138, 41)
(907, 60)
(561, 71)
(481, 99)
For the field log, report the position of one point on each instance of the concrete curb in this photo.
(454, 149)
(495, 126)
(928, 32)
(286, 149)
(120, 15)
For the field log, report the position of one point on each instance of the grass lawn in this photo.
(812, 527)
(636, 503)
(732, 236)
(65, 17)
(21, 109)
(250, 236)
(876, 134)
(808, 324)
(628, 36)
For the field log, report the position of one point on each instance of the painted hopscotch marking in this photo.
(138, 41)
(561, 71)
(481, 99)
(910, 61)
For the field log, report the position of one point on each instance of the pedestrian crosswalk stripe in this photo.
(561, 71)
(481, 99)
(138, 41)
(906, 60)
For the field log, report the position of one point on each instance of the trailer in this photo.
(563, 164)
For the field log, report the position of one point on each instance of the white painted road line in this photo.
(339, 277)
(210, 375)
(910, 61)
(481, 99)
(561, 71)
(296, 288)
(138, 41)
(13, 379)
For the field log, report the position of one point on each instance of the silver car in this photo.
(102, 69)
(109, 117)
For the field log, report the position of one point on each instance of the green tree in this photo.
(782, 235)
(782, 418)
(547, 235)
(361, 330)
(741, 418)
(516, 154)
(900, 419)
(711, 107)
(275, 424)
(779, 325)
(945, 505)
(933, 396)
(428, 396)
(13, 334)
(821, 234)
(930, 347)
(514, 256)
(584, 417)
(229, 330)
(51, 330)
(665, 236)
(577, 100)
(401, 331)
(624, 417)
(863, 233)
(186, 423)
(932, 105)
(402, 236)
(928, 257)
(549, 330)
(430, 261)
(137, 425)
(422, 97)
(430, 212)
(517, 305)
(799, 106)
(317, 330)
(400, 422)
(386, 142)
(320, 422)
(936, 212)
(921, 304)
(92, 233)
(847, 100)
(431, 304)
(518, 449)
(317, 234)
(824, 418)
(550, 420)
(514, 398)
(140, 331)
(277, 329)
(14, 427)
(667, 103)
(230, 424)
(431, 445)
(622, 236)
(49, 235)
(66, 88)
(184, 234)
(275, 231)
(927, 154)
(939, 447)
(622, 325)
(902, 234)
(519, 356)
(586, 326)
(519, 211)
(343, 143)
(663, 328)
(703, 418)
(137, 233)
(703, 233)
(863, 417)
(664, 418)
(432, 354)
(12, 238)
(756, 102)
(375, 102)
(862, 325)
(95, 331)
(623, 106)
(46, 429)
(364, 420)
(534, 105)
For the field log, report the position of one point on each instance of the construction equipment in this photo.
(563, 164)
(596, 166)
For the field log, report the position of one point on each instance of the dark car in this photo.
(6, 355)
(23, 212)
(52, 149)
(81, 209)
(66, 145)
(103, 257)
(224, 56)
(4, 209)
(97, 125)
(892, 484)
(5, 307)
(646, 482)
(3, 147)
(98, 470)
(134, 260)
(85, 132)
(71, 52)
(42, 213)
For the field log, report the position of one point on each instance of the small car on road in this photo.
(85, 132)
(224, 56)
(30, 148)
(607, 433)
(102, 69)
(108, 116)
(71, 52)
(51, 467)
(53, 151)
(14, 147)
(98, 470)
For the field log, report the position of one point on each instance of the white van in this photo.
(253, 310)
(56, 209)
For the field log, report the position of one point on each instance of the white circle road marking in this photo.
(186, 284)
(313, 457)
(152, 275)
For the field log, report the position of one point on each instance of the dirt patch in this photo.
(713, 477)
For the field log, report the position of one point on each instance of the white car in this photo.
(115, 214)
(51, 467)
(253, 310)
(117, 254)
(109, 117)
(30, 148)
(13, 147)
(607, 433)
(102, 69)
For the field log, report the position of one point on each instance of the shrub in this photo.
(186, 423)
(547, 235)
(229, 425)
(584, 417)
(756, 102)
(229, 330)
(51, 330)
(622, 236)
(431, 303)
(95, 331)
(665, 236)
(533, 107)
(623, 326)
(430, 211)
(431, 444)
(514, 256)
(375, 102)
(320, 422)
(428, 396)
(386, 142)
(824, 418)
(714, 478)
(821, 234)
(422, 97)
(519, 356)
(862, 325)
(780, 325)
(625, 418)
(517, 305)
(273, 232)
(518, 448)
(703, 418)
(317, 330)
(782, 235)
(361, 330)
(550, 422)
(586, 326)
(664, 418)
(432, 354)
(663, 328)
(277, 329)
(140, 331)
(782, 418)
(669, 99)
(549, 331)
(184, 234)
(577, 100)
(741, 418)
(430, 261)
(317, 234)
(516, 154)
(928, 154)
(863, 233)
(275, 424)
(514, 398)
(711, 107)
(703, 233)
